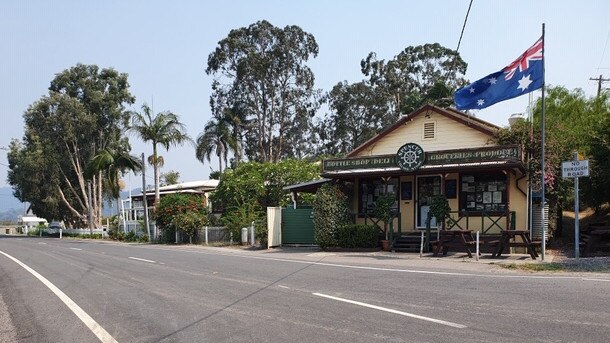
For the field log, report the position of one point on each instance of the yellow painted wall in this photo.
(450, 134)
(518, 201)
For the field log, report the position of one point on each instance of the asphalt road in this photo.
(153, 293)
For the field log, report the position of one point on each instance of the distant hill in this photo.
(10, 207)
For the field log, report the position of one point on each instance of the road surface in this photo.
(87, 291)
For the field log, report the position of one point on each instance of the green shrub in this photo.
(357, 236)
(330, 211)
(143, 238)
(242, 216)
(174, 205)
(260, 232)
(189, 222)
(383, 210)
(130, 236)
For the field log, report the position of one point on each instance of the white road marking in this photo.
(42, 243)
(385, 309)
(76, 249)
(603, 280)
(414, 271)
(142, 259)
(280, 286)
(97, 330)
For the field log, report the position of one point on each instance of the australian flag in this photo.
(522, 76)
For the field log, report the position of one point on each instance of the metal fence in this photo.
(210, 234)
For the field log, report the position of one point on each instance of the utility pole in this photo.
(145, 199)
(90, 205)
(599, 80)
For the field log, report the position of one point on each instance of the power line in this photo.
(464, 26)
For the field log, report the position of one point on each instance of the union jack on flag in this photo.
(523, 75)
(523, 62)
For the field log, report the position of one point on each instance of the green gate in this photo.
(297, 226)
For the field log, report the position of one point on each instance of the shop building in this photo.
(435, 151)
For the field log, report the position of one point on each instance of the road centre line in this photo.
(97, 329)
(141, 259)
(414, 271)
(385, 309)
(76, 249)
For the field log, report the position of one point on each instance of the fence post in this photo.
(252, 233)
(206, 235)
(421, 245)
(477, 246)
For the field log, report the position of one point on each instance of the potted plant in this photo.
(383, 211)
(439, 208)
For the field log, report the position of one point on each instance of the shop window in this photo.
(483, 192)
(430, 130)
(371, 189)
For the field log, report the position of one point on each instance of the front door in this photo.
(427, 188)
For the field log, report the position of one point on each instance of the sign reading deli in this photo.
(486, 154)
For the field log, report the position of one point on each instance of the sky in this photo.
(164, 45)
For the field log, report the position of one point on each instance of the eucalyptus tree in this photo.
(83, 113)
(164, 129)
(262, 69)
(356, 114)
(418, 75)
(215, 139)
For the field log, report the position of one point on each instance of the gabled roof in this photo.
(461, 117)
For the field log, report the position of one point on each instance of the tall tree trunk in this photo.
(156, 171)
(220, 162)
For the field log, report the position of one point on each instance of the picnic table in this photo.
(461, 239)
(508, 240)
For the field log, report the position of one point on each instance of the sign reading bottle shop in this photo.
(411, 157)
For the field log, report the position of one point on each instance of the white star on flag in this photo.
(480, 102)
(524, 82)
(471, 89)
(492, 80)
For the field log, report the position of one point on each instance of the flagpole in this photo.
(542, 159)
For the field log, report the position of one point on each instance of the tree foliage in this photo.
(216, 139)
(358, 112)
(261, 184)
(418, 75)
(262, 83)
(83, 113)
(172, 205)
(171, 177)
(573, 122)
(164, 129)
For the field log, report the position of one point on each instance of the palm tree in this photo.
(215, 138)
(163, 129)
(112, 163)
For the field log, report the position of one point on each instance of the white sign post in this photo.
(575, 169)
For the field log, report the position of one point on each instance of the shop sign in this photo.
(410, 157)
(370, 162)
(501, 153)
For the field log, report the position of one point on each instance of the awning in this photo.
(306, 187)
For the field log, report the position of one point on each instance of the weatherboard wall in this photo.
(450, 134)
